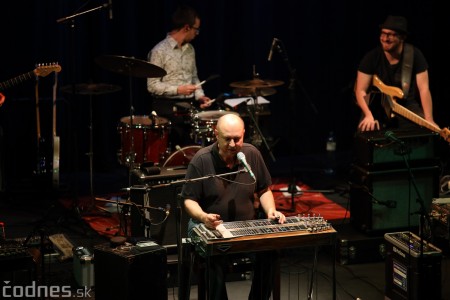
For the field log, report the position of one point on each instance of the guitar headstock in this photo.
(445, 134)
(44, 70)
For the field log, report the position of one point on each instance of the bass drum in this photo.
(182, 157)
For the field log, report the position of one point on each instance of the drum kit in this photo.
(145, 138)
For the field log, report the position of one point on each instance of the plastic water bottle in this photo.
(331, 154)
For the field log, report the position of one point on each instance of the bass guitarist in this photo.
(397, 64)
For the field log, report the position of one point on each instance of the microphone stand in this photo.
(68, 18)
(183, 289)
(403, 151)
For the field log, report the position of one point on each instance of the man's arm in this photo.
(268, 204)
(425, 95)
(196, 212)
(363, 83)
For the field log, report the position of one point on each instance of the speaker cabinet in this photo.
(386, 200)
(125, 273)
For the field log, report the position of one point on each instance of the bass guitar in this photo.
(392, 93)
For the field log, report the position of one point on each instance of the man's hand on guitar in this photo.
(369, 124)
(2, 99)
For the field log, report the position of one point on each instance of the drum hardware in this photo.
(130, 67)
(90, 89)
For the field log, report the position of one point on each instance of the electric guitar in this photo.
(41, 70)
(392, 93)
(56, 140)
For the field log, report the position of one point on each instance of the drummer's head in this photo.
(229, 133)
(187, 20)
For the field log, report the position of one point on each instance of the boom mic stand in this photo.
(294, 82)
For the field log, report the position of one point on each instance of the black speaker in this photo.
(386, 200)
(160, 193)
(125, 273)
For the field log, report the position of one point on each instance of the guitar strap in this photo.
(408, 54)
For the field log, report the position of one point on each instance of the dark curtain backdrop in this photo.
(324, 41)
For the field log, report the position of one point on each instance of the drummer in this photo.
(180, 88)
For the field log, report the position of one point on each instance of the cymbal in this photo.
(90, 89)
(129, 66)
(256, 83)
(254, 92)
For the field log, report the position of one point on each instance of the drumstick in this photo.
(200, 84)
(207, 79)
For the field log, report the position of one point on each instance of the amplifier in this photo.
(413, 269)
(159, 191)
(126, 273)
(372, 148)
(385, 200)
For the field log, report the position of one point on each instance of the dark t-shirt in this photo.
(376, 63)
(231, 196)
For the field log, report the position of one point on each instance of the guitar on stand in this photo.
(41, 162)
(41, 70)
(56, 140)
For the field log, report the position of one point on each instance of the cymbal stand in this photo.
(253, 116)
(131, 155)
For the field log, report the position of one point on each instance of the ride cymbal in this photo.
(256, 83)
(90, 89)
(129, 66)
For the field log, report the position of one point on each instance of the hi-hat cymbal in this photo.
(90, 89)
(254, 92)
(129, 66)
(256, 83)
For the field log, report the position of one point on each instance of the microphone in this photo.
(110, 9)
(243, 161)
(274, 42)
(391, 136)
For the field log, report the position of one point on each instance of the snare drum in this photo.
(150, 139)
(181, 157)
(203, 125)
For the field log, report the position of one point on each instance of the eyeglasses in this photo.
(197, 29)
(388, 35)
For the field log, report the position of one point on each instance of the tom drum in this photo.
(143, 139)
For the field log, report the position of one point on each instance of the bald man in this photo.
(231, 198)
